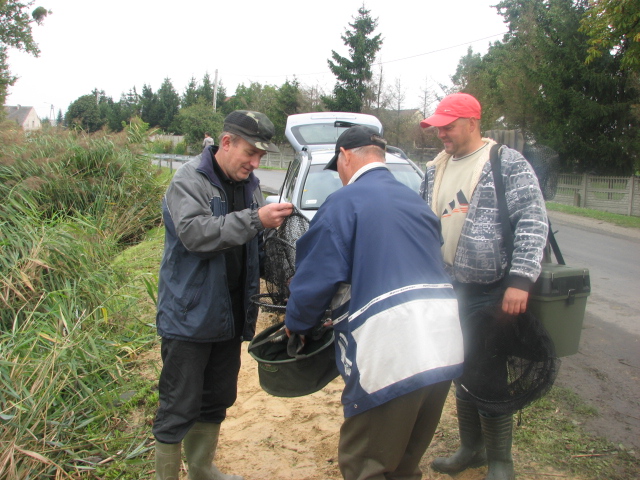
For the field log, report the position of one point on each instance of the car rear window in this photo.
(321, 183)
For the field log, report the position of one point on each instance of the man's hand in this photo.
(273, 214)
(514, 301)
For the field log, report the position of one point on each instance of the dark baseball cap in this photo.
(254, 127)
(354, 137)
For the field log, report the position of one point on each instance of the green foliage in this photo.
(68, 327)
(354, 73)
(194, 121)
(169, 105)
(16, 32)
(614, 26)
(536, 79)
(84, 114)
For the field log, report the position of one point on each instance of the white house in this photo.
(25, 117)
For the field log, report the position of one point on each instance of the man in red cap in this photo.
(460, 189)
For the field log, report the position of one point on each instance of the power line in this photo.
(378, 63)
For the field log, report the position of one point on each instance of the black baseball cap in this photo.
(354, 137)
(254, 127)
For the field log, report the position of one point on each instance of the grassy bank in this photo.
(614, 218)
(69, 325)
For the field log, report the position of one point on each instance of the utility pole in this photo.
(215, 90)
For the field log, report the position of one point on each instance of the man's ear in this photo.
(225, 142)
(346, 156)
(474, 124)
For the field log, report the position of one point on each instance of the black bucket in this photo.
(284, 376)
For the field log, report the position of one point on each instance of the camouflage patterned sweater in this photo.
(481, 256)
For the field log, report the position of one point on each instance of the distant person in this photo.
(459, 187)
(374, 248)
(214, 216)
(208, 141)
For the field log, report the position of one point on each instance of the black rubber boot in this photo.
(498, 436)
(471, 452)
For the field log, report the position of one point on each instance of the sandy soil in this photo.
(267, 437)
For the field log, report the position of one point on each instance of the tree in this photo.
(536, 79)
(354, 73)
(190, 95)
(84, 113)
(149, 106)
(614, 26)
(197, 119)
(168, 105)
(16, 32)
(205, 92)
(288, 101)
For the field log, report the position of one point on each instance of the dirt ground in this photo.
(267, 437)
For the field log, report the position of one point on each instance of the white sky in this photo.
(119, 44)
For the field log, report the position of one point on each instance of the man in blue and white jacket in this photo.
(374, 249)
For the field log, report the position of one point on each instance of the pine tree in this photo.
(354, 73)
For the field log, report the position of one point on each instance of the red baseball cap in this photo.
(453, 107)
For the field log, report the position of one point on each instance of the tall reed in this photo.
(69, 204)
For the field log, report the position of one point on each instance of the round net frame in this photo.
(509, 361)
(280, 262)
(544, 161)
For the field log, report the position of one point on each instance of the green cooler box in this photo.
(559, 299)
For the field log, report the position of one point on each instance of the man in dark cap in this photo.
(214, 216)
(372, 255)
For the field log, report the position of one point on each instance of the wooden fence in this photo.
(609, 194)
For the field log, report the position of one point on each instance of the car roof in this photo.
(300, 130)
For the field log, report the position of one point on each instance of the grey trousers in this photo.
(388, 441)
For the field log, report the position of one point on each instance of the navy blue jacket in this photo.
(193, 297)
(374, 249)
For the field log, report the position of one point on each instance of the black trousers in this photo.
(198, 382)
(471, 299)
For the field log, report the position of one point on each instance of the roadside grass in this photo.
(614, 218)
(550, 434)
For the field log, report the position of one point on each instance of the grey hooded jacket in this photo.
(480, 255)
(193, 297)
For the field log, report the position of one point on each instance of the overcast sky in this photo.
(120, 44)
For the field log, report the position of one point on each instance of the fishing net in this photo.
(280, 261)
(542, 159)
(510, 361)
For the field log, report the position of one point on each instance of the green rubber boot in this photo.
(471, 452)
(167, 461)
(498, 435)
(200, 445)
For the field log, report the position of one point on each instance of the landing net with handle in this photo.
(280, 261)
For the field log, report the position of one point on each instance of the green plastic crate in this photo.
(559, 300)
